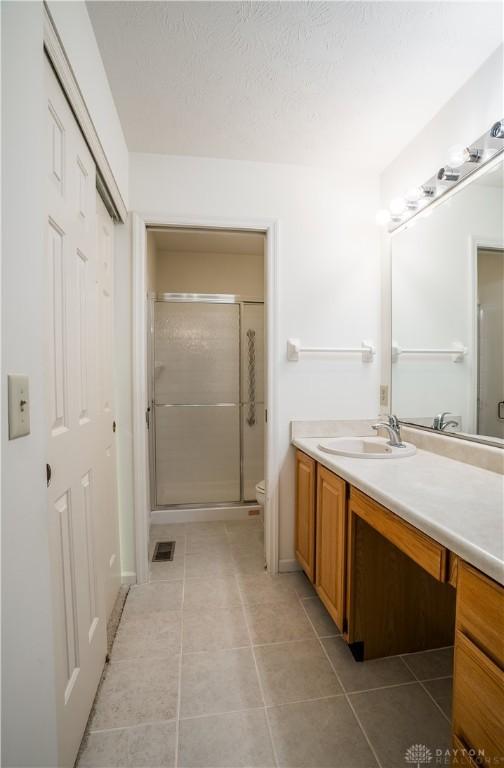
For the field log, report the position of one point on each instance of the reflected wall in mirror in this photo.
(448, 313)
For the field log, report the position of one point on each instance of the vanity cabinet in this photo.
(478, 680)
(392, 589)
(330, 542)
(306, 469)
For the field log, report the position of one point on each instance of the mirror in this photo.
(447, 275)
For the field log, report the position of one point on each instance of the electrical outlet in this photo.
(384, 394)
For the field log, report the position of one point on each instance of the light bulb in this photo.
(383, 217)
(457, 156)
(397, 206)
(413, 195)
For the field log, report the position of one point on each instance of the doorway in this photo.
(206, 371)
(144, 267)
(490, 342)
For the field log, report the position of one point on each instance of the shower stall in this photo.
(207, 399)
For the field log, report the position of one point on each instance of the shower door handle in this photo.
(500, 410)
(251, 418)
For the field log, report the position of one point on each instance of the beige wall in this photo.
(240, 274)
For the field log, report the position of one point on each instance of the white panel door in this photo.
(74, 493)
(108, 521)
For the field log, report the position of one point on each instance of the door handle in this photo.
(500, 410)
(48, 474)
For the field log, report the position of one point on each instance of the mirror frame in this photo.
(455, 187)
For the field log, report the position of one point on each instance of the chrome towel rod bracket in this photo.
(294, 349)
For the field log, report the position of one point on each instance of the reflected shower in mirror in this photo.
(448, 313)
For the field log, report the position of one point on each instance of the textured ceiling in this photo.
(317, 83)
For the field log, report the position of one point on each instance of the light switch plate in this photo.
(19, 406)
(384, 395)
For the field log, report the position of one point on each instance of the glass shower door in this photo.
(252, 378)
(196, 402)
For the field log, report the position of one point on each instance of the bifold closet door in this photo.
(252, 383)
(197, 402)
(75, 482)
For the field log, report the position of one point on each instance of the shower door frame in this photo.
(141, 482)
(196, 298)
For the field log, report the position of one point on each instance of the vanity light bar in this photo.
(294, 349)
(462, 162)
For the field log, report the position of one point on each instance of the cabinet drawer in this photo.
(480, 611)
(426, 552)
(478, 701)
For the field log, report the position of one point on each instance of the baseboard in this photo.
(203, 514)
(287, 566)
(128, 577)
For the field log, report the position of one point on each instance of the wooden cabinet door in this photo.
(331, 538)
(305, 513)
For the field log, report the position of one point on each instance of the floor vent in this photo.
(164, 550)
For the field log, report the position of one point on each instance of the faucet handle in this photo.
(394, 421)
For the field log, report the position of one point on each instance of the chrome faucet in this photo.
(440, 424)
(393, 429)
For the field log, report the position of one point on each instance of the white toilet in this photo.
(260, 493)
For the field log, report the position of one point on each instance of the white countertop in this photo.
(458, 505)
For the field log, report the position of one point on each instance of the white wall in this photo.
(28, 677)
(465, 117)
(241, 274)
(76, 32)
(328, 275)
(152, 262)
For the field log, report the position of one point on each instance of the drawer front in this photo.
(478, 701)
(430, 555)
(480, 611)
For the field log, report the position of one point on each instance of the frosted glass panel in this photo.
(253, 452)
(196, 353)
(197, 455)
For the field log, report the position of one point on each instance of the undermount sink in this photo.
(366, 448)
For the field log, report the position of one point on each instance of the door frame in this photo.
(195, 298)
(477, 242)
(142, 506)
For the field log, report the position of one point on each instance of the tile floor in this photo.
(218, 665)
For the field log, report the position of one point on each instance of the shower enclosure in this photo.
(207, 399)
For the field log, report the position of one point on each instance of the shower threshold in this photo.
(212, 505)
(180, 513)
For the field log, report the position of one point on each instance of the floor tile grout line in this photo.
(347, 698)
(429, 694)
(428, 650)
(261, 688)
(224, 712)
(421, 682)
(179, 691)
(130, 727)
